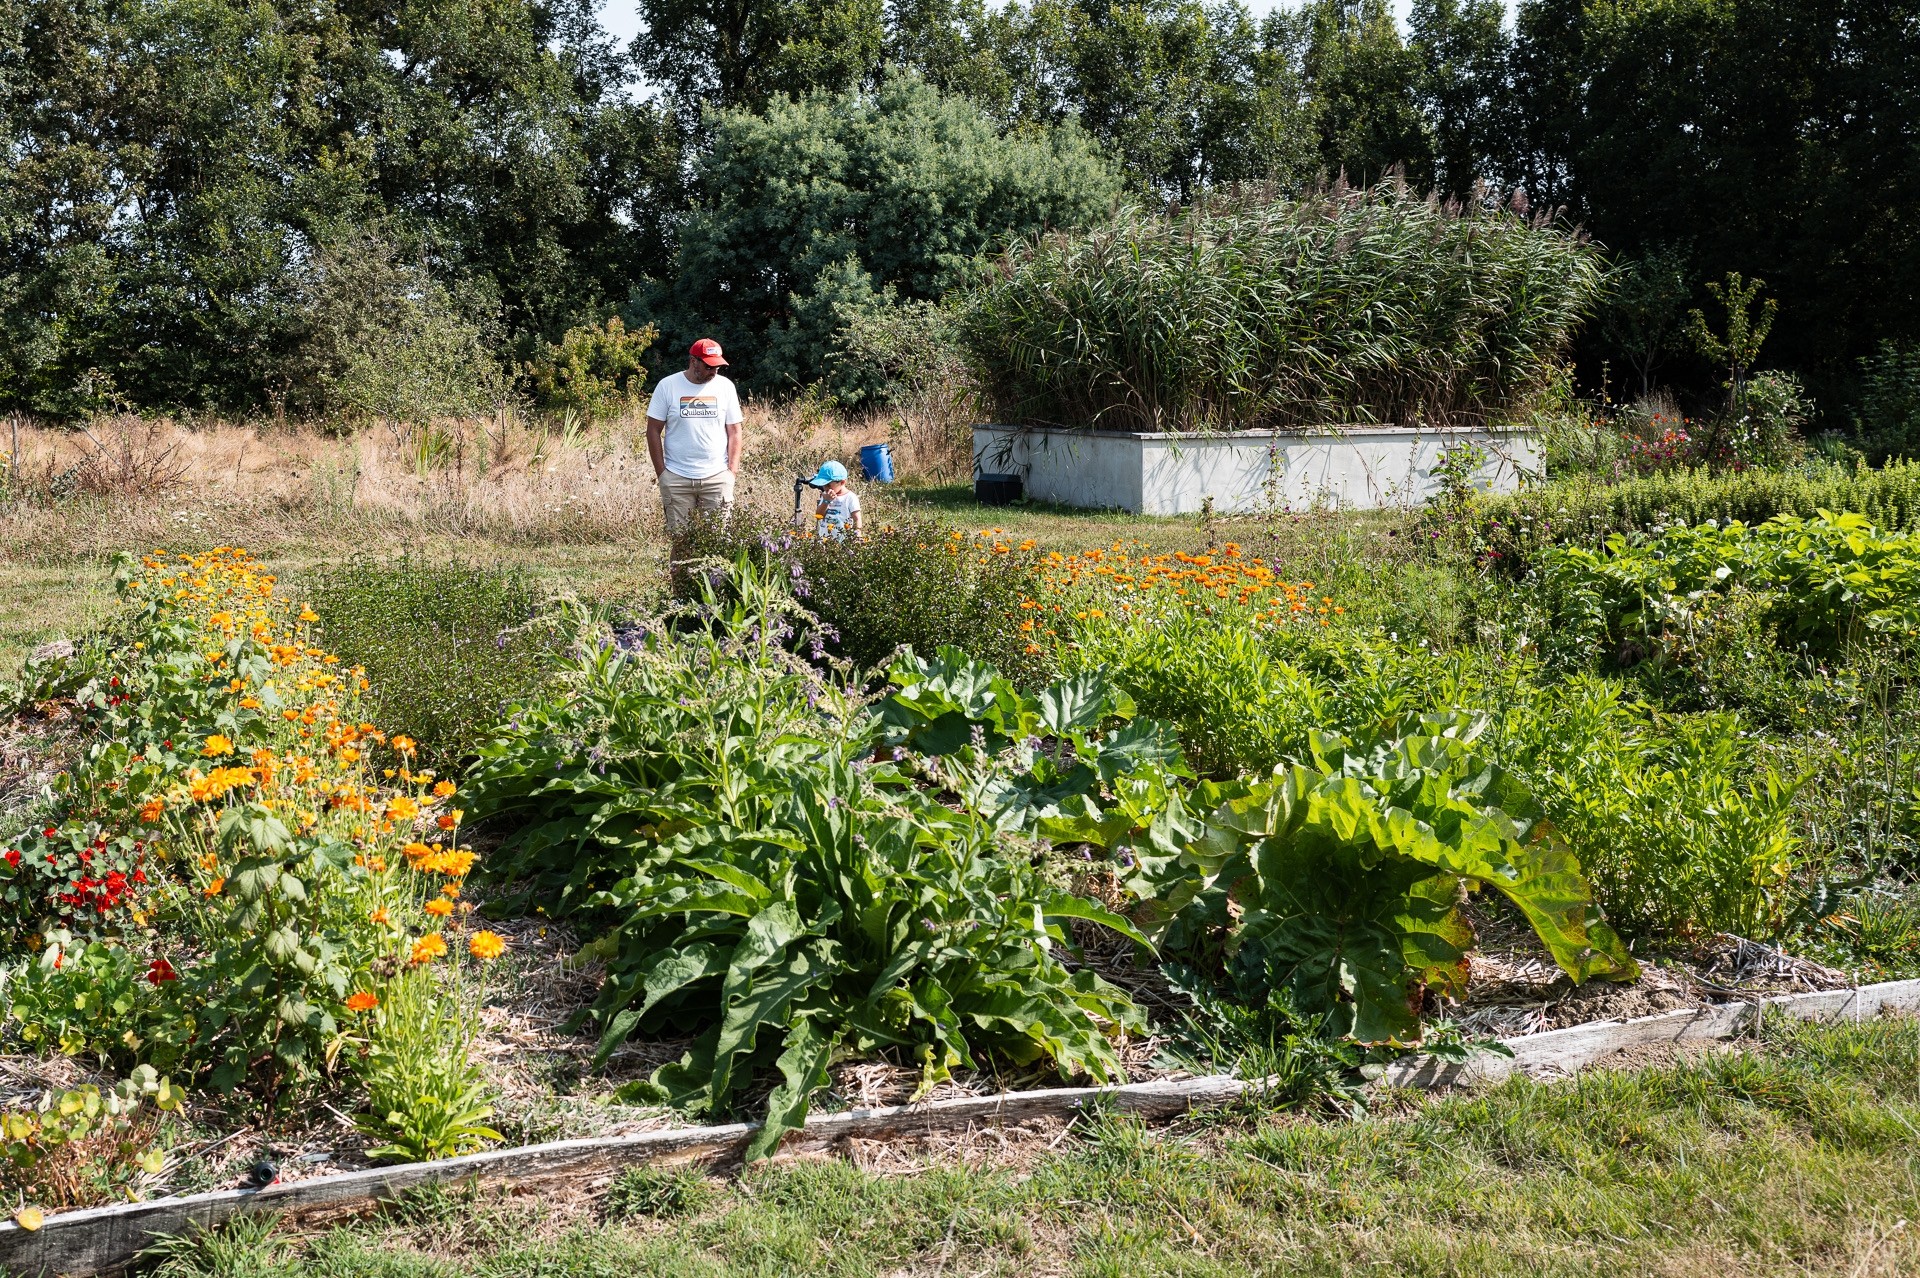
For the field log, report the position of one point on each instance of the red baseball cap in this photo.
(707, 351)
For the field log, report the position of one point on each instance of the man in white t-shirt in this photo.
(693, 436)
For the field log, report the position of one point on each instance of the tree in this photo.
(1363, 78)
(854, 200)
(1462, 88)
(1746, 332)
(732, 55)
(1643, 315)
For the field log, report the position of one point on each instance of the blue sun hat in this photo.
(830, 472)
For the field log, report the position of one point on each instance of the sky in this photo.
(622, 17)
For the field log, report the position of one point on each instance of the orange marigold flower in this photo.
(429, 947)
(442, 789)
(213, 888)
(150, 810)
(448, 820)
(362, 1002)
(403, 745)
(450, 890)
(439, 907)
(416, 850)
(216, 746)
(401, 808)
(380, 915)
(486, 945)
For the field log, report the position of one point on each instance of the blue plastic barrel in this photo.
(876, 463)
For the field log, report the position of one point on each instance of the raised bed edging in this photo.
(1354, 468)
(103, 1239)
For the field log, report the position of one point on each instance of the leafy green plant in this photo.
(595, 370)
(1827, 580)
(913, 583)
(446, 646)
(1887, 421)
(706, 796)
(1739, 346)
(1346, 872)
(1512, 530)
(426, 1096)
(1681, 828)
(79, 1145)
(77, 998)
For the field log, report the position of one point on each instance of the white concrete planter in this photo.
(1359, 468)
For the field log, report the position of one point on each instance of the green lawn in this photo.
(1800, 1158)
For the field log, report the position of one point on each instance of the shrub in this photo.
(827, 204)
(914, 583)
(595, 370)
(1823, 582)
(1513, 528)
(379, 337)
(1251, 311)
(85, 1145)
(1887, 421)
(446, 646)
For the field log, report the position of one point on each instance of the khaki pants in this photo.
(680, 497)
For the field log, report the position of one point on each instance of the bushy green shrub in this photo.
(914, 583)
(595, 370)
(1887, 421)
(446, 646)
(1820, 584)
(1247, 310)
(824, 206)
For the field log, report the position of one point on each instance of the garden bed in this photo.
(104, 1239)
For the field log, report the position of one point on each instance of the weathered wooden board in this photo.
(100, 1239)
(1562, 1051)
(103, 1239)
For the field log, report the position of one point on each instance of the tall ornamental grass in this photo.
(1253, 311)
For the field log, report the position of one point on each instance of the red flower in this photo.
(49, 832)
(13, 858)
(159, 971)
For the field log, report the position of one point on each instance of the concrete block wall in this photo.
(1361, 468)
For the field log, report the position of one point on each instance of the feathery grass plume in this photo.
(1249, 310)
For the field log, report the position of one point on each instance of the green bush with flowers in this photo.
(227, 883)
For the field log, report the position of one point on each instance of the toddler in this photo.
(839, 507)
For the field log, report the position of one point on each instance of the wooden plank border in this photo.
(104, 1239)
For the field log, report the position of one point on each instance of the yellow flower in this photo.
(429, 947)
(362, 1002)
(216, 746)
(439, 907)
(308, 614)
(401, 808)
(486, 945)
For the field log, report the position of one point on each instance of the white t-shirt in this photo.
(697, 417)
(838, 513)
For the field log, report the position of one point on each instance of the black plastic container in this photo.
(997, 490)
